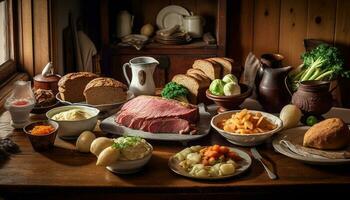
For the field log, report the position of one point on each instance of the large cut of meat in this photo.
(158, 115)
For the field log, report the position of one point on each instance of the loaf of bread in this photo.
(330, 134)
(211, 68)
(72, 85)
(226, 64)
(105, 91)
(195, 87)
(199, 75)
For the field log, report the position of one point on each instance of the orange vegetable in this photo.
(224, 149)
(42, 130)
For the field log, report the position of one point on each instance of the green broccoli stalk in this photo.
(175, 91)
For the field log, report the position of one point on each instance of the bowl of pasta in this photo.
(246, 127)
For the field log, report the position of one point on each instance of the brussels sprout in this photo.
(231, 89)
(230, 78)
(217, 87)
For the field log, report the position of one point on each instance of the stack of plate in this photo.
(170, 16)
(176, 38)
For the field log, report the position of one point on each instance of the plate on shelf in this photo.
(244, 165)
(295, 137)
(110, 126)
(105, 109)
(170, 16)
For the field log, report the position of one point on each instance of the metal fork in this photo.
(257, 156)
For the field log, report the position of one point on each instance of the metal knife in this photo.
(257, 156)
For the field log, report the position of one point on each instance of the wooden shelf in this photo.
(157, 48)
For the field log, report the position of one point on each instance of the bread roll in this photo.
(329, 134)
(72, 85)
(105, 91)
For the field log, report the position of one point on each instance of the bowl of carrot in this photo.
(42, 134)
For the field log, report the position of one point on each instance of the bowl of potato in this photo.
(246, 128)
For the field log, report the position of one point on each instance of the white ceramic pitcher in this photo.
(142, 69)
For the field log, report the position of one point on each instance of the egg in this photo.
(147, 30)
(84, 141)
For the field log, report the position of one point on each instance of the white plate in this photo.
(105, 109)
(243, 166)
(110, 126)
(170, 16)
(299, 132)
(246, 139)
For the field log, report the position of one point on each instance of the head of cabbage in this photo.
(217, 87)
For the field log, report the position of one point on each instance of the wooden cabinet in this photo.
(173, 59)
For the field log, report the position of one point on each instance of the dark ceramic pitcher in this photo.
(272, 91)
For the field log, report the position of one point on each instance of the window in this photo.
(4, 37)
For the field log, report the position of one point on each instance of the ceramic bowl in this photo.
(130, 166)
(246, 139)
(42, 142)
(72, 129)
(226, 103)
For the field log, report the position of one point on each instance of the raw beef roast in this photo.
(158, 115)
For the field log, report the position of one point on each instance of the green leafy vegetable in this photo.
(125, 142)
(217, 87)
(175, 91)
(322, 63)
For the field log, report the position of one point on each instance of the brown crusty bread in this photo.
(226, 64)
(196, 87)
(198, 74)
(211, 68)
(328, 134)
(105, 91)
(71, 86)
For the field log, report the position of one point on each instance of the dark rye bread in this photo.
(71, 86)
(211, 68)
(195, 86)
(226, 64)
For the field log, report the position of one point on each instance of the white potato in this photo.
(84, 141)
(290, 116)
(185, 152)
(202, 173)
(215, 170)
(227, 169)
(99, 144)
(193, 158)
(108, 156)
(196, 148)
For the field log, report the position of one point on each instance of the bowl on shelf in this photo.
(232, 102)
(42, 142)
(130, 166)
(72, 129)
(248, 140)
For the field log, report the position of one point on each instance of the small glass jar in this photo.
(20, 103)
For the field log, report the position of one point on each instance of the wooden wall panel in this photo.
(27, 37)
(41, 34)
(342, 41)
(293, 29)
(266, 26)
(321, 19)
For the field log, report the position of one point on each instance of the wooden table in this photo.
(65, 173)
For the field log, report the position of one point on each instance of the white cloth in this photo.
(86, 50)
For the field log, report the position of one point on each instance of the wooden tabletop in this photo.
(67, 173)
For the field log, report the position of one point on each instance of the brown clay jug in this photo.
(272, 91)
(313, 97)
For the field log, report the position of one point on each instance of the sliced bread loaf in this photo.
(195, 87)
(226, 64)
(105, 91)
(72, 85)
(211, 68)
(199, 75)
